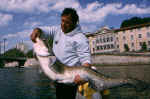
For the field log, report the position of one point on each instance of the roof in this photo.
(132, 27)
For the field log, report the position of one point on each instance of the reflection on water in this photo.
(28, 83)
(24, 83)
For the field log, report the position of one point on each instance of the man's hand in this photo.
(35, 33)
(78, 79)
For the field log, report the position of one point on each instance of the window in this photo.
(93, 49)
(108, 46)
(132, 37)
(100, 40)
(104, 40)
(97, 47)
(96, 40)
(101, 47)
(105, 47)
(107, 39)
(117, 46)
(148, 34)
(112, 46)
(141, 43)
(132, 44)
(148, 42)
(117, 39)
(140, 35)
(124, 38)
(111, 39)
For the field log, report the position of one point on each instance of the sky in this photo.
(19, 17)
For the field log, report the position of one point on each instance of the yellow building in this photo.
(133, 37)
(103, 40)
(117, 40)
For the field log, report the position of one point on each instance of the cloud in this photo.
(26, 5)
(97, 12)
(36, 6)
(133, 9)
(19, 35)
(61, 4)
(5, 19)
(93, 12)
(32, 24)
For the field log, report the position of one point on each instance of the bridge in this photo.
(5, 59)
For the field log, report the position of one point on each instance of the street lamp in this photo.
(4, 44)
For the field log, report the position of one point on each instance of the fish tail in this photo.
(139, 85)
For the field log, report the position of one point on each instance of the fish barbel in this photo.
(61, 73)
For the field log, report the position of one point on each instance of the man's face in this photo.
(66, 23)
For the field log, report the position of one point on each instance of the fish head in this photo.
(40, 48)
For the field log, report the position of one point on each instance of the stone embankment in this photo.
(11, 64)
(31, 62)
(114, 59)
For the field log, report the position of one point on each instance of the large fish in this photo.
(59, 72)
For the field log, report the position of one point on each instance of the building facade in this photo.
(120, 40)
(103, 40)
(133, 37)
(22, 47)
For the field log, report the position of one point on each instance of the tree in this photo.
(1, 64)
(14, 53)
(144, 46)
(134, 21)
(30, 54)
(126, 47)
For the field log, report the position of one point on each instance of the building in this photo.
(22, 47)
(133, 37)
(120, 40)
(103, 40)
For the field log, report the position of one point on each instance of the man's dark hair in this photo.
(72, 12)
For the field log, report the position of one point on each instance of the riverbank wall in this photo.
(113, 59)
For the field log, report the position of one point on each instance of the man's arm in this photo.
(83, 52)
(45, 33)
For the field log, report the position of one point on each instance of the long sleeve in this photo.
(83, 50)
(49, 32)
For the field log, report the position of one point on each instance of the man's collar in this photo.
(75, 31)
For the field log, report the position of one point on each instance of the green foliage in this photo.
(144, 46)
(14, 53)
(1, 64)
(135, 21)
(30, 54)
(126, 47)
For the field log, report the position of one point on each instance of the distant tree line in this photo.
(134, 21)
(14, 52)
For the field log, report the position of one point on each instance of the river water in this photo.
(28, 83)
(24, 83)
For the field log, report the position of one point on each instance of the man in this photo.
(70, 46)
